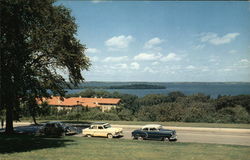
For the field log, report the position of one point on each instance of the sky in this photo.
(164, 41)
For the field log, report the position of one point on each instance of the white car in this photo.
(102, 129)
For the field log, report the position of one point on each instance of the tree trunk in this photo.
(34, 119)
(9, 120)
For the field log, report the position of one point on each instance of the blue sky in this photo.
(165, 41)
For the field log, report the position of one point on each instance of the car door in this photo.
(93, 130)
(153, 133)
(144, 133)
(100, 131)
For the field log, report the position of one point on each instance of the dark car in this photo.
(154, 131)
(56, 128)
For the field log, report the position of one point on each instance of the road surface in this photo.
(206, 137)
(186, 134)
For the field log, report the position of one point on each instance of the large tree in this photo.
(37, 43)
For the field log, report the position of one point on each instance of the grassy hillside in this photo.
(37, 148)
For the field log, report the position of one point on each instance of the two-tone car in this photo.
(154, 131)
(102, 129)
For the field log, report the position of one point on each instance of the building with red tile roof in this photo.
(104, 104)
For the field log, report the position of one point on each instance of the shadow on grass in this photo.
(23, 143)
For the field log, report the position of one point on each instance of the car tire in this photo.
(165, 139)
(88, 135)
(110, 136)
(63, 134)
(139, 138)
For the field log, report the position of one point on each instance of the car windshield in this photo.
(107, 126)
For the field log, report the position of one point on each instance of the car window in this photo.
(100, 127)
(145, 129)
(152, 129)
(93, 127)
(107, 126)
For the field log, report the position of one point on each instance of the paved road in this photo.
(186, 134)
(202, 135)
(206, 137)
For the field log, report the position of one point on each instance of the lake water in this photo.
(212, 89)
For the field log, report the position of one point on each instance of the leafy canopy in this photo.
(37, 44)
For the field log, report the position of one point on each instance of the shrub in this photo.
(236, 114)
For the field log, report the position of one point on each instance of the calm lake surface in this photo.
(212, 89)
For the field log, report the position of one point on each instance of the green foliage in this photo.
(162, 108)
(230, 101)
(125, 115)
(153, 99)
(236, 114)
(37, 40)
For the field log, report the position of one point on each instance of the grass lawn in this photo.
(176, 124)
(23, 147)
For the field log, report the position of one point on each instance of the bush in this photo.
(236, 114)
(105, 116)
(125, 115)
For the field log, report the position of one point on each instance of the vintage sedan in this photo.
(56, 128)
(154, 131)
(101, 129)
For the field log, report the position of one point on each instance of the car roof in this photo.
(152, 126)
(99, 123)
(51, 122)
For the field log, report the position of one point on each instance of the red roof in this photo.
(74, 101)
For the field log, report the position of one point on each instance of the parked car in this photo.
(56, 128)
(102, 129)
(154, 131)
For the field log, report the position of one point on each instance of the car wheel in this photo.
(110, 135)
(165, 139)
(63, 134)
(139, 138)
(88, 135)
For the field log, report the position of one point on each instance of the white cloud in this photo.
(147, 57)
(96, 1)
(244, 61)
(214, 39)
(214, 59)
(171, 57)
(94, 59)
(190, 67)
(119, 42)
(158, 56)
(115, 59)
(199, 46)
(205, 69)
(232, 51)
(150, 70)
(155, 63)
(152, 43)
(134, 65)
(122, 66)
(92, 50)
(227, 69)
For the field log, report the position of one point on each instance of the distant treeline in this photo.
(174, 106)
(137, 86)
(130, 86)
